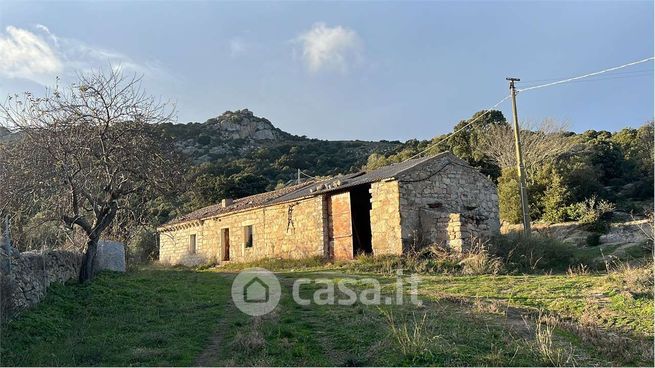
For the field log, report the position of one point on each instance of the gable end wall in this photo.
(434, 193)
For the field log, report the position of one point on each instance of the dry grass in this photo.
(489, 306)
(414, 336)
(579, 270)
(478, 261)
(618, 347)
(551, 353)
(638, 281)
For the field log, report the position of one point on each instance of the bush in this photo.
(203, 139)
(536, 253)
(143, 248)
(554, 200)
(509, 197)
(591, 210)
(593, 240)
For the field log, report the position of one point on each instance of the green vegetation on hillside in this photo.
(564, 169)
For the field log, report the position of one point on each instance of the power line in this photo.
(558, 78)
(567, 80)
(612, 76)
(460, 129)
(587, 75)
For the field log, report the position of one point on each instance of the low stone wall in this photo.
(30, 274)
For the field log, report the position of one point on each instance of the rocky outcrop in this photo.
(243, 124)
(234, 133)
(29, 275)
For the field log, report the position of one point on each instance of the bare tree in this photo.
(84, 152)
(541, 142)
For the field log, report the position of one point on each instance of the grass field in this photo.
(159, 316)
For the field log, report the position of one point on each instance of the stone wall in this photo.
(289, 230)
(31, 274)
(386, 236)
(445, 201)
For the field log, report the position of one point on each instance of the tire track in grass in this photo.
(212, 352)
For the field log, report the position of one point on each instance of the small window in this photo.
(192, 244)
(247, 236)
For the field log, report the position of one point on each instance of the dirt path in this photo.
(212, 352)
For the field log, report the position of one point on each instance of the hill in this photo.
(240, 132)
(238, 153)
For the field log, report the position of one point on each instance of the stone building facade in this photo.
(432, 200)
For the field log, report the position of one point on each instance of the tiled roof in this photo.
(307, 189)
(252, 201)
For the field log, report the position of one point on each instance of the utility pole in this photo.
(519, 161)
(298, 176)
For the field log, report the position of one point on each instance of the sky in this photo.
(347, 70)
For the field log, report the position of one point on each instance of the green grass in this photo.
(150, 317)
(578, 297)
(333, 335)
(183, 317)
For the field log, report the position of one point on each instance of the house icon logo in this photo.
(256, 291)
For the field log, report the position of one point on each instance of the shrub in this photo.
(536, 253)
(591, 210)
(203, 139)
(593, 240)
(509, 197)
(554, 200)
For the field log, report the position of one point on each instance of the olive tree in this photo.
(83, 153)
(540, 142)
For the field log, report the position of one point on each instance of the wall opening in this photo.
(225, 239)
(192, 244)
(360, 209)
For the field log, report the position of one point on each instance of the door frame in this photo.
(225, 243)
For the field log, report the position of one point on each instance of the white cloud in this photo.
(41, 56)
(330, 48)
(26, 55)
(237, 47)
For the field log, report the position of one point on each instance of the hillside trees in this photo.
(564, 169)
(87, 153)
(465, 144)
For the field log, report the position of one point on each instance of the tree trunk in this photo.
(86, 271)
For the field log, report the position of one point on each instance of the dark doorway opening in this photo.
(225, 239)
(360, 209)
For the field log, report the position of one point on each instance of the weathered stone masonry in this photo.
(31, 273)
(433, 200)
(447, 202)
(289, 230)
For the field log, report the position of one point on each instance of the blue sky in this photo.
(365, 70)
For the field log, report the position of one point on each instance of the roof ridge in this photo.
(297, 191)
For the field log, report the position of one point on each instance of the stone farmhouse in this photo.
(438, 199)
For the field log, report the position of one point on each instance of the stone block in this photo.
(110, 256)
